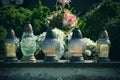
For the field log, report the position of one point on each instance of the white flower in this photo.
(90, 44)
(60, 34)
(65, 22)
(41, 37)
(87, 52)
(88, 41)
(61, 37)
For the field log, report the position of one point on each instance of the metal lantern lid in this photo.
(50, 34)
(28, 28)
(77, 33)
(28, 31)
(104, 34)
(11, 38)
(10, 34)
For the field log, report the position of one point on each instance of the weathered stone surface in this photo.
(60, 71)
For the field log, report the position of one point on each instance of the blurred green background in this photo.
(94, 16)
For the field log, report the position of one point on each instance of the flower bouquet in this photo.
(62, 18)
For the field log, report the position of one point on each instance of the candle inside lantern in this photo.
(11, 45)
(103, 47)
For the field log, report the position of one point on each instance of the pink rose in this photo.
(66, 15)
(70, 18)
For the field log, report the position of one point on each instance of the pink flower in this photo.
(64, 1)
(72, 19)
(66, 15)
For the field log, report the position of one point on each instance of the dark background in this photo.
(81, 6)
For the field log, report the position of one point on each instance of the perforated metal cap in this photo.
(77, 33)
(10, 34)
(50, 34)
(104, 34)
(28, 28)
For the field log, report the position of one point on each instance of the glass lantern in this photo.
(103, 47)
(11, 45)
(50, 46)
(76, 46)
(28, 44)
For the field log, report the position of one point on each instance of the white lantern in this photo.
(76, 46)
(50, 46)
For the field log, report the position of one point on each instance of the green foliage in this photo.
(10, 17)
(81, 25)
(2, 40)
(38, 19)
(2, 33)
(97, 18)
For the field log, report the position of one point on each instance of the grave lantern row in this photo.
(51, 45)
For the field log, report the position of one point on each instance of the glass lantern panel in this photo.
(11, 50)
(28, 46)
(104, 50)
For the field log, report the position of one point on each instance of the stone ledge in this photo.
(59, 71)
(61, 64)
